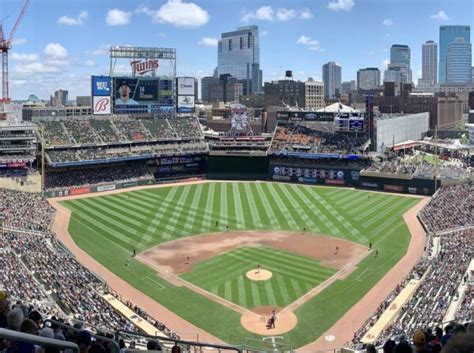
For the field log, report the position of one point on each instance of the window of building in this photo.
(241, 43)
(230, 44)
(249, 39)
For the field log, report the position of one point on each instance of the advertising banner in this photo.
(106, 187)
(305, 116)
(185, 86)
(101, 86)
(185, 104)
(334, 182)
(101, 105)
(397, 188)
(81, 191)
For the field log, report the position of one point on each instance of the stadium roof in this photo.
(337, 108)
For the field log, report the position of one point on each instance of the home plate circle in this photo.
(259, 275)
(329, 338)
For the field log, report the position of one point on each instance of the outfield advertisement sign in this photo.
(185, 86)
(106, 187)
(101, 105)
(185, 104)
(101, 86)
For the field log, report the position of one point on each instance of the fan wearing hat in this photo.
(125, 91)
(419, 340)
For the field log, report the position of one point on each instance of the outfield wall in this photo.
(237, 167)
(343, 176)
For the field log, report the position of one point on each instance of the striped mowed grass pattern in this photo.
(141, 219)
(110, 227)
(225, 276)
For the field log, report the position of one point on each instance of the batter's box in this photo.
(158, 284)
(364, 274)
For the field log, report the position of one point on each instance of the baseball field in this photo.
(196, 244)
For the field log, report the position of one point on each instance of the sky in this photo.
(61, 43)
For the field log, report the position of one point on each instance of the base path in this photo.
(343, 330)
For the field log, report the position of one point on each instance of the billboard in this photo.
(185, 86)
(305, 116)
(101, 105)
(142, 95)
(101, 86)
(185, 104)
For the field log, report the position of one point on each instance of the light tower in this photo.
(5, 45)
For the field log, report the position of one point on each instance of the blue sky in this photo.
(60, 43)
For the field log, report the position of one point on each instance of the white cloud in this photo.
(371, 52)
(387, 22)
(267, 13)
(341, 5)
(18, 82)
(19, 41)
(310, 43)
(101, 50)
(73, 21)
(56, 51)
(90, 63)
(35, 68)
(385, 63)
(208, 42)
(440, 16)
(263, 33)
(181, 14)
(24, 57)
(263, 13)
(285, 14)
(142, 9)
(306, 14)
(116, 17)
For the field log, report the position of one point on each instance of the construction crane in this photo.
(5, 45)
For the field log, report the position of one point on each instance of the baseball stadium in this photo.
(144, 228)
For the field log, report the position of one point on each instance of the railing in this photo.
(37, 340)
(198, 346)
(113, 345)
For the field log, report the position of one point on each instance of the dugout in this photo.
(237, 167)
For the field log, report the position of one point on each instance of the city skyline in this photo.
(60, 47)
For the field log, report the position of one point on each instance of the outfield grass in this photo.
(110, 227)
(225, 276)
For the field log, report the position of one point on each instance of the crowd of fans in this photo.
(94, 176)
(295, 138)
(80, 131)
(453, 207)
(107, 153)
(38, 271)
(25, 210)
(421, 167)
(442, 273)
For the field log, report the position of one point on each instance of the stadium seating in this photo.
(295, 137)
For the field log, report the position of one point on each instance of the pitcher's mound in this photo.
(255, 321)
(259, 275)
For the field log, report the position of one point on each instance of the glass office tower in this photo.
(447, 35)
(238, 54)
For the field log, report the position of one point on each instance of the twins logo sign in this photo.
(101, 106)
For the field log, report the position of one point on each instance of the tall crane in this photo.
(5, 45)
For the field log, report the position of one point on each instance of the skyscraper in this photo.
(429, 62)
(331, 79)
(368, 78)
(458, 62)
(238, 54)
(447, 35)
(400, 56)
